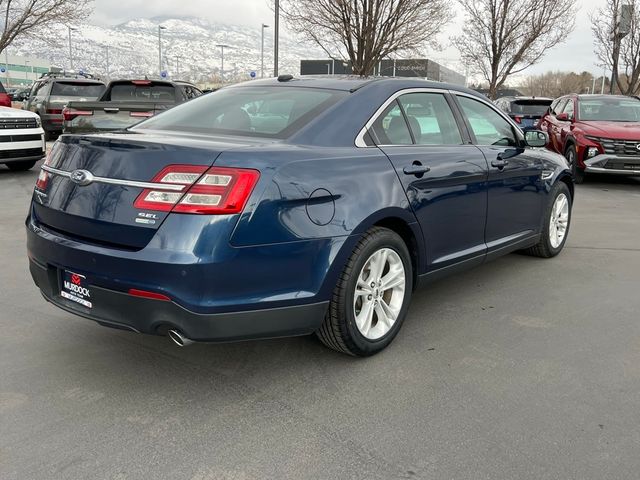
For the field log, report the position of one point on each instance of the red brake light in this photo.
(141, 82)
(70, 113)
(213, 191)
(141, 114)
(518, 119)
(43, 177)
(146, 294)
(54, 111)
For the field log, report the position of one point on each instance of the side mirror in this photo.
(535, 138)
(563, 117)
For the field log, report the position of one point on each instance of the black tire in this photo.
(20, 166)
(544, 248)
(572, 157)
(339, 330)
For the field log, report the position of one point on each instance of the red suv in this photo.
(596, 133)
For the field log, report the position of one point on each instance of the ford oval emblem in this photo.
(81, 177)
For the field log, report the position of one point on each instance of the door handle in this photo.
(416, 169)
(500, 163)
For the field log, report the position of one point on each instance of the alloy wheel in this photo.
(559, 221)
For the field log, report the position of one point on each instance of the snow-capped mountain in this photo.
(189, 49)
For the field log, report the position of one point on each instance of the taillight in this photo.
(54, 111)
(146, 294)
(70, 113)
(141, 114)
(518, 119)
(43, 177)
(217, 190)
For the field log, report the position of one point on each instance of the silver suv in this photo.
(52, 92)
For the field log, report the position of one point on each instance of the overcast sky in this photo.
(575, 54)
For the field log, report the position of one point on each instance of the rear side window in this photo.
(272, 112)
(390, 128)
(77, 89)
(488, 126)
(430, 119)
(142, 93)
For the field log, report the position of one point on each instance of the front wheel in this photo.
(372, 297)
(20, 166)
(572, 158)
(557, 220)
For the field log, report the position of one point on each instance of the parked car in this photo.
(525, 111)
(5, 99)
(596, 133)
(215, 222)
(20, 94)
(53, 91)
(21, 139)
(125, 103)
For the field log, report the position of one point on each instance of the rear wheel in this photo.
(556, 223)
(372, 297)
(572, 158)
(20, 166)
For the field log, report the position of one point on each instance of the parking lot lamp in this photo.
(71, 29)
(262, 51)
(222, 47)
(26, 77)
(160, 28)
(276, 32)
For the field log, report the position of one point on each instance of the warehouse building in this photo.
(19, 71)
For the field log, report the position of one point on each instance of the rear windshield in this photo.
(609, 109)
(530, 107)
(143, 93)
(272, 112)
(77, 89)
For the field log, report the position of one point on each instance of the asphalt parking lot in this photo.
(521, 369)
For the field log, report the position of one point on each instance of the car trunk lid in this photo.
(102, 211)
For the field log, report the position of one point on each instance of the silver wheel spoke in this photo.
(378, 294)
(559, 221)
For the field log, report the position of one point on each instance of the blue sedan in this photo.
(290, 206)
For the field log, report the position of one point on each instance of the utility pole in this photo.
(107, 55)
(262, 51)
(160, 28)
(26, 77)
(177, 65)
(222, 47)
(621, 28)
(276, 32)
(70, 50)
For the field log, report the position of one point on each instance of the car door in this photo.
(515, 188)
(38, 96)
(445, 177)
(564, 126)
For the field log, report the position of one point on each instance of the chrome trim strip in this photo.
(360, 143)
(116, 181)
(614, 171)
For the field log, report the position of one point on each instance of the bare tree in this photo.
(616, 51)
(556, 84)
(504, 37)
(20, 18)
(366, 31)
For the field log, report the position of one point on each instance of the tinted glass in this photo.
(390, 128)
(568, 108)
(609, 109)
(487, 125)
(273, 112)
(558, 105)
(77, 89)
(530, 107)
(430, 119)
(143, 93)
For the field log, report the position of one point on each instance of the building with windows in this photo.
(420, 68)
(19, 71)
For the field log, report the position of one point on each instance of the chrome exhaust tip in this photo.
(179, 339)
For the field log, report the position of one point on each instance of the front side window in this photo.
(390, 128)
(487, 125)
(568, 108)
(272, 112)
(558, 105)
(430, 119)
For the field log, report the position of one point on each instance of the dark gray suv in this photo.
(52, 92)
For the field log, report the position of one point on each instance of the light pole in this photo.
(160, 28)
(262, 51)
(177, 65)
(26, 77)
(222, 47)
(71, 29)
(107, 58)
(276, 32)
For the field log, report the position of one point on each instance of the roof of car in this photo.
(351, 82)
(598, 96)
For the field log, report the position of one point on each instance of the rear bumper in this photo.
(123, 311)
(613, 165)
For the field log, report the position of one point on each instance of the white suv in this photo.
(21, 138)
